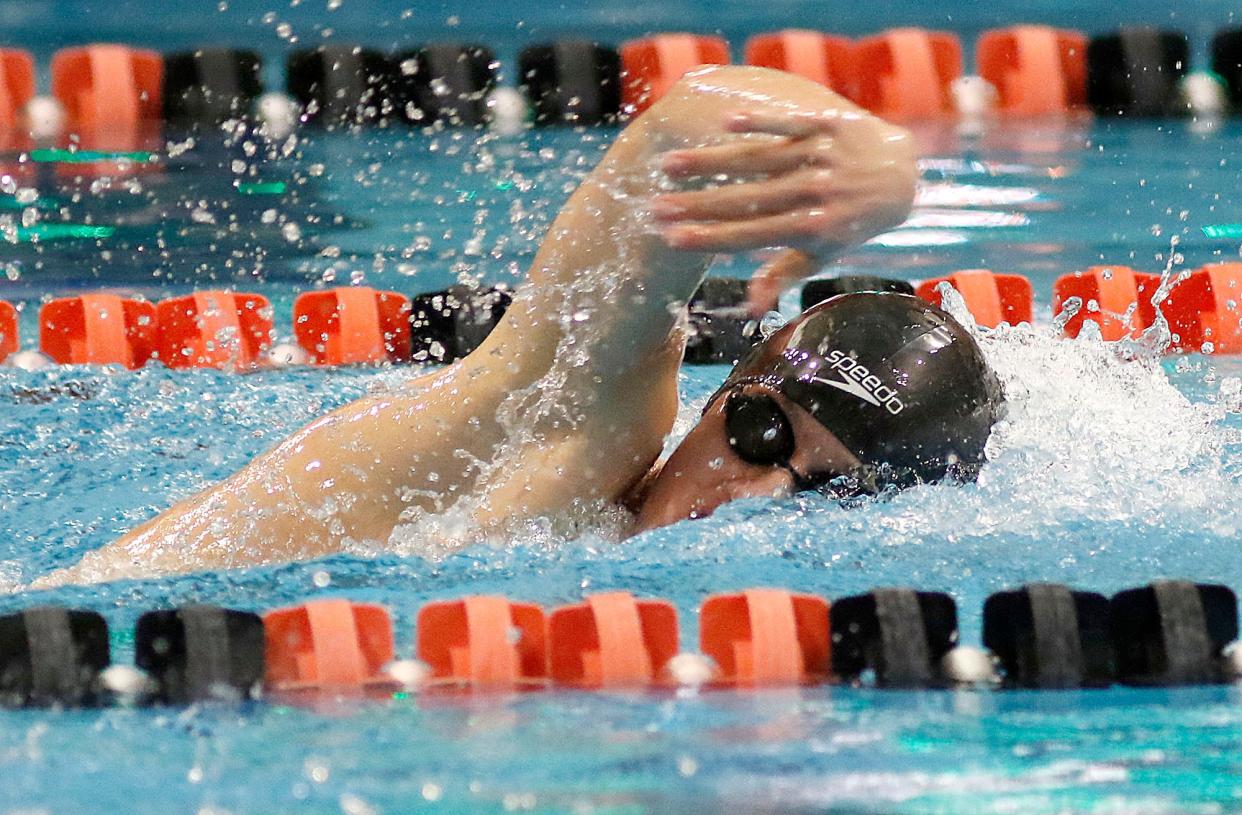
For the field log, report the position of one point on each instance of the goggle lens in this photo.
(759, 431)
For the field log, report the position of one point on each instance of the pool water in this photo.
(1106, 475)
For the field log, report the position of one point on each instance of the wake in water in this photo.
(1095, 432)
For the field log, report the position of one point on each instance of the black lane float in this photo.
(1040, 636)
(1136, 71)
(210, 85)
(573, 82)
(1049, 636)
(197, 653)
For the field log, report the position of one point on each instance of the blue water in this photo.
(1107, 475)
(507, 25)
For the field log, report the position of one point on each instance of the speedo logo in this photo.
(858, 380)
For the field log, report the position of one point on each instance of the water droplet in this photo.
(770, 323)
(317, 770)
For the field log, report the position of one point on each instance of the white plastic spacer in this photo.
(968, 666)
(508, 111)
(29, 360)
(691, 670)
(277, 113)
(126, 681)
(410, 673)
(1232, 661)
(1203, 93)
(973, 96)
(286, 355)
(45, 118)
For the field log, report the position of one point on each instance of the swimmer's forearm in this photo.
(818, 174)
(229, 525)
(603, 279)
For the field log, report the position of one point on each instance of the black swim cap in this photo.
(897, 380)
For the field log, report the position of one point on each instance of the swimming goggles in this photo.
(760, 433)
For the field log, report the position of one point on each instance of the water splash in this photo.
(1093, 431)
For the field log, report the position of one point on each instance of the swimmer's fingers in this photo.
(811, 229)
(793, 124)
(764, 289)
(743, 201)
(745, 159)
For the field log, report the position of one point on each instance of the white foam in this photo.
(1090, 434)
(1094, 431)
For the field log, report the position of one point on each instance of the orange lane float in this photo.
(906, 73)
(107, 87)
(1204, 311)
(991, 298)
(1037, 70)
(98, 329)
(113, 99)
(484, 641)
(214, 329)
(819, 57)
(1116, 298)
(612, 640)
(333, 644)
(17, 86)
(650, 66)
(764, 637)
(9, 339)
(353, 326)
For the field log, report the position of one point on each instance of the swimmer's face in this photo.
(706, 471)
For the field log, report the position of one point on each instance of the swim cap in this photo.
(897, 380)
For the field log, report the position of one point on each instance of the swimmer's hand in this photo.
(824, 182)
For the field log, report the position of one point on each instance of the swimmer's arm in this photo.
(346, 476)
(604, 296)
(609, 283)
(269, 511)
(806, 169)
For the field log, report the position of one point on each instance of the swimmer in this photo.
(567, 404)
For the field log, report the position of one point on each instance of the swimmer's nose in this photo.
(704, 473)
